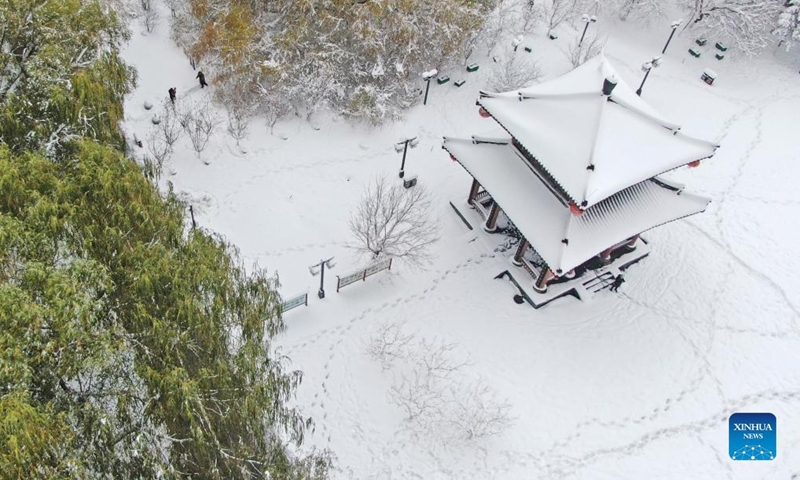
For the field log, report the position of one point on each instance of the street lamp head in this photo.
(647, 66)
(593, 18)
(657, 61)
(676, 23)
(429, 74)
(414, 142)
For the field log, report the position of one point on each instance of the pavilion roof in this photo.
(593, 145)
(562, 239)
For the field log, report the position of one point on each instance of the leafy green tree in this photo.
(60, 75)
(131, 346)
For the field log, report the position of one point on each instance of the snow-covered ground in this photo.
(634, 385)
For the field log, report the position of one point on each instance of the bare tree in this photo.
(436, 358)
(151, 18)
(477, 411)
(531, 14)
(422, 392)
(433, 398)
(496, 24)
(239, 116)
(558, 11)
(159, 151)
(395, 222)
(591, 47)
(645, 10)
(199, 125)
(513, 73)
(170, 126)
(389, 344)
(274, 108)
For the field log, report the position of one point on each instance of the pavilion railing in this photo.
(533, 271)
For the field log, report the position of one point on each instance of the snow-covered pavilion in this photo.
(575, 168)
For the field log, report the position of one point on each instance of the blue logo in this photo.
(752, 436)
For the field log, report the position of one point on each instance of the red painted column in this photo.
(473, 192)
(491, 223)
(521, 249)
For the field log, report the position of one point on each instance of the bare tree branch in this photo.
(394, 221)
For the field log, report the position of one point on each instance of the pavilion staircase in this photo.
(598, 280)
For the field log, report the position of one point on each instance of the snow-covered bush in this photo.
(514, 73)
(745, 25)
(788, 29)
(374, 105)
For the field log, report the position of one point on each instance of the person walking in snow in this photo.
(617, 283)
(172, 94)
(202, 79)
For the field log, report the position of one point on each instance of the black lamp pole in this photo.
(321, 265)
(405, 144)
(584, 32)
(639, 91)
(405, 149)
(588, 20)
(427, 87)
(675, 26)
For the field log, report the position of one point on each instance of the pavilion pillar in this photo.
(491, 221)
(521, 249)
(541, 282)
(605, 255)
(473, 192)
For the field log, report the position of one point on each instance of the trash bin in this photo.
(708, 76)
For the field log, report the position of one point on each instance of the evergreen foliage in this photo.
(129, 346)
(60, 75)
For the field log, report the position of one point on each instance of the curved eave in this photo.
(546, 222)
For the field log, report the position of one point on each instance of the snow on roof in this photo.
(546, 221)
(591, 144)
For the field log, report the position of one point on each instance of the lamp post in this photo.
(403, 145)
(647, 66)
(674, 25)
(428, 76)
(320, 268)
(586, 18)
(517, 41)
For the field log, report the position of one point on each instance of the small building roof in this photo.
(562, 239)
(593, 145)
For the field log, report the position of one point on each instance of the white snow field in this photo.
(634, 385)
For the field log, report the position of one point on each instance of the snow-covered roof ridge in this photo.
(561, 238)
(592, 143)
